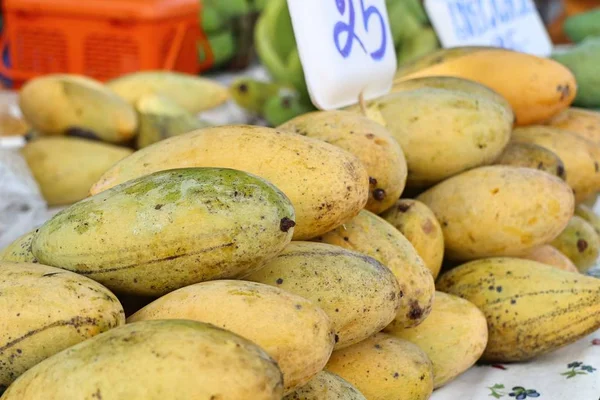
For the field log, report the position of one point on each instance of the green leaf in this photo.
(498, 386)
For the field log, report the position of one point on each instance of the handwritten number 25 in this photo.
(349, 28)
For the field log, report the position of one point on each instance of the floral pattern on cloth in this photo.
(569, 373)
(577, 368)
(518, 392)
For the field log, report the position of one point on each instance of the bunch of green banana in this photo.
(277, 50)
(276, 103)
(228, 25)
(412, 33)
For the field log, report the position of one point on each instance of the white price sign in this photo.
(511, 24)
(346, 49)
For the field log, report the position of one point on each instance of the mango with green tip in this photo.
(360, 295)
(20, 250)
(370, 234)
(170, 229)
(45, 310)
(454, 336)
(580, 242)
(155, 360)
(531, 308)
(370, 142)
(422, 229)
(292, 330)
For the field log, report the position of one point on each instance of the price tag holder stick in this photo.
(346, 49)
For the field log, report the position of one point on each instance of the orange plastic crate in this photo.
(102, 39)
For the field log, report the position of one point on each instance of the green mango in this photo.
(581, 26)
(583, 61)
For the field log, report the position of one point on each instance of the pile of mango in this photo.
(376, 252)
(79, 127)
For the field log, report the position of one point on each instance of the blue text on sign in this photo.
(473, 18)
(346, 8)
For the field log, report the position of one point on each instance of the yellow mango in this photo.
(326, 386)
(19, 250)
(542, 88)
(454, 336)
(369, 141)
(549, 255)
(326, 184)
(66, 167)
(370, 234)
(581, 122)
(499, 211)
(292, 330)
(341, 282)
(59, 104)
(531, 308)
(45, 310)
(529, 155)
(419, 225)
(155, 360)
(580, 156)
(444, 132)
(580, 242)
(384, 367)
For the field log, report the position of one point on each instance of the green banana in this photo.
(418, 46)
(252, 95)
(283, 107)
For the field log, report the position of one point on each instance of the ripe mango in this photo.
(542, 88)
(45, 310)
(292, 330)
(326, 184)
(550, 255)
(326, 386)
(370, 234)
(66, 167)
(59, 104)
(155, 360)
(360, 295)
(580, 156)
(384, 367)
(529, 155)
(20, 250)
(454, 336)
(369, 141)
(444, 132)
(499, 211)
(581, 122)
(531, 308)
(419, 225)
